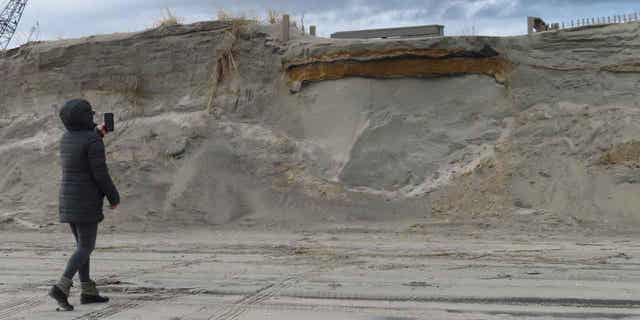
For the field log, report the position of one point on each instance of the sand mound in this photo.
(218, 125)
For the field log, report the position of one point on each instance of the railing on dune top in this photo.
(536, 24)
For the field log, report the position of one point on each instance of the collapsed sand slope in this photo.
(322, 130)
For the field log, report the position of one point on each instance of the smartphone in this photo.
(109, 122)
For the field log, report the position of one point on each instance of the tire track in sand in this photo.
(11, 309)
(235, 310)
(109, 310)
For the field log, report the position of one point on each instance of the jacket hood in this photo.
(77, 115)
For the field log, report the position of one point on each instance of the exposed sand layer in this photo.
(397, 63)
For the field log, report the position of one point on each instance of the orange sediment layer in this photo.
(406, 65)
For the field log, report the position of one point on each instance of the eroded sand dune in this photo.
(218, 125)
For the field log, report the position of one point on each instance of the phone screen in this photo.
(109, 122)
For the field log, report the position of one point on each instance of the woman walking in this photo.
(85, 183)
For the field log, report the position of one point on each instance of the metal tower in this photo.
(9, 19)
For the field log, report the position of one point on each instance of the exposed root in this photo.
(226, 66)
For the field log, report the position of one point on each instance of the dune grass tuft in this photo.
(168, 19)
(273, 16)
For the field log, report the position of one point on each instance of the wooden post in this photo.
(530, 24)
(312, 31)
(285, 28)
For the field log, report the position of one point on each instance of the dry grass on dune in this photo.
(168, 19)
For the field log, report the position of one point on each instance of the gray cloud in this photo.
(455, 12)
(74, 18)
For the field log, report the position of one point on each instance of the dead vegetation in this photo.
(226, 66)
(243, 17)
(168, 19)
(273, 17)
(224, 15)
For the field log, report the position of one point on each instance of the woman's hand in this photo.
(113, 206)
(102, 129)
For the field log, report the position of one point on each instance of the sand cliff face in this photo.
(220, 124)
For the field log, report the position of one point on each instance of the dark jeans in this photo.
(85, 234)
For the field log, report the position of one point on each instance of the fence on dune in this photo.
(536, 24)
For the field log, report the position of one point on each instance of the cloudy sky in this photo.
(74, 18)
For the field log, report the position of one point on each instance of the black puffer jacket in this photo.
(85, 176)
